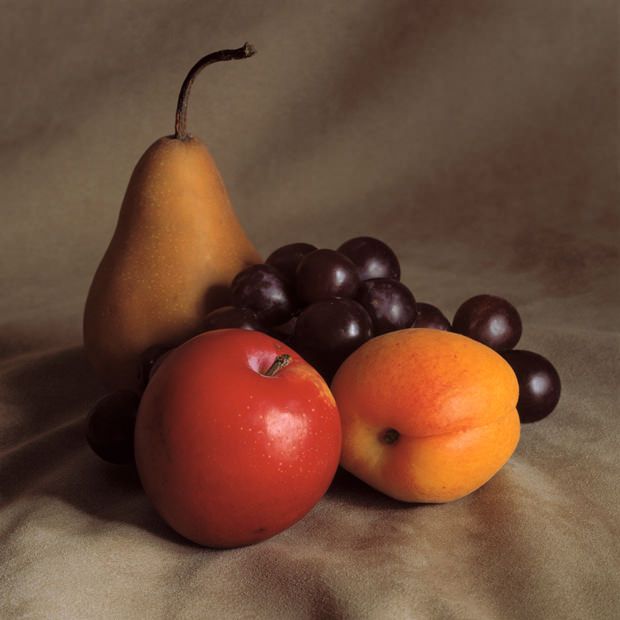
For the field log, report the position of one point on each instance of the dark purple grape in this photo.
(490, 320)
(326, 274)
(285, 331)
(110, 426)
(390, 304)
(431, 317)
(264, 289)
(158, 363)
(373, 258)
(230, 316)
(327, 332)
(286, 259)
(149, 360)
(539, 384)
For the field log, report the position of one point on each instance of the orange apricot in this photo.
(427, 415)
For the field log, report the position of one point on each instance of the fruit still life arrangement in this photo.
(238, 386)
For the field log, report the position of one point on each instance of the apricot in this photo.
(427, 415)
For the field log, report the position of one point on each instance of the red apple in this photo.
(232, 449)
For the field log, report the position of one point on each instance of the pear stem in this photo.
(180, 123)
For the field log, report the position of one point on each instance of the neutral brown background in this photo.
(478, 138)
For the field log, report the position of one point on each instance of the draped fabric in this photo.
(478, 139)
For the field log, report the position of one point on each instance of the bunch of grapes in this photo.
(325, 304)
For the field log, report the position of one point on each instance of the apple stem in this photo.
(278, 364)
(180, 124)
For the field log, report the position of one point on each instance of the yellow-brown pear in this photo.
(175, 250)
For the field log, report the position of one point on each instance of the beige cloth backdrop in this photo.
(478, 138)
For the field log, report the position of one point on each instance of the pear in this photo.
(175, 250)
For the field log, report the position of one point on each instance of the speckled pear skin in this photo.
(176, 248)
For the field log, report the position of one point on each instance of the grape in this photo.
(149, 360)
(373, 258)
(110, 426)
(390, 304)
(158, 363)
(286, 259)
(284, 331)
(229, 316)
(263, 288)
(490, 320)
(327, 332)
(431, 317)
(326, 274)
(539, 384)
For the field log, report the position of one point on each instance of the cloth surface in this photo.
(479, 139)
